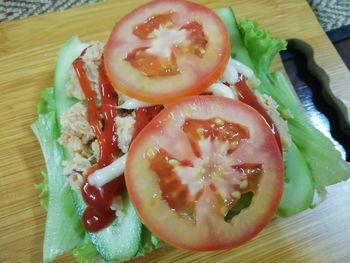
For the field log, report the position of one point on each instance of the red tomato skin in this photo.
(210, 244)
(204, 81)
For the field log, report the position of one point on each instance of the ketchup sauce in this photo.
(99, 214)
(144, 115)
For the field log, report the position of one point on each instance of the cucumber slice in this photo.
(67, 54)
(238, 50)
(298, 184)
(121, 240)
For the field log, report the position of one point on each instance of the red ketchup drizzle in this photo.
(144, 115)
(247, 96)
(98, 213)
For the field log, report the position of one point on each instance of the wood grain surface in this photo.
(27, 55)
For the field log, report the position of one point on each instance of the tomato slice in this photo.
(166, 49)
(192, 165)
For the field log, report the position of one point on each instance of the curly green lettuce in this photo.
(311, 161)
(324, 160)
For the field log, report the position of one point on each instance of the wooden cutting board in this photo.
(27, 55)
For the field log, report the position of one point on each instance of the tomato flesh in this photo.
(215, 128)
(147, 63)
(197, 38)
(193, 162)
(162, 42)
(145, 29)
(173, 191)
(154, 66)
(151, 65)
(210, 173)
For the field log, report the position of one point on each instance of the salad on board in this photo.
(174, 132)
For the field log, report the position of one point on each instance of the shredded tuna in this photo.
(73, 87)
(271, 107)
(92, 59)
(77, 137)
(95, 147)
(78, 164)
(75, 180)
(76, 132)
(125, 130)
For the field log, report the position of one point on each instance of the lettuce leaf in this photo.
(261, 46)
(324, 160)
(149, 242)
(86, 252)
(47, 103)
(63, 229)
(324, 165)
(44, 190)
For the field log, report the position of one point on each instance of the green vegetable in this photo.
(323, 161)
(63, 230)
(298, 189)
(68, 53)
(44, 188)
(238, 51)
(86, 252)
(310, 162)
(47, 103)
(148, 243)
(121, 240)
(262, 48)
